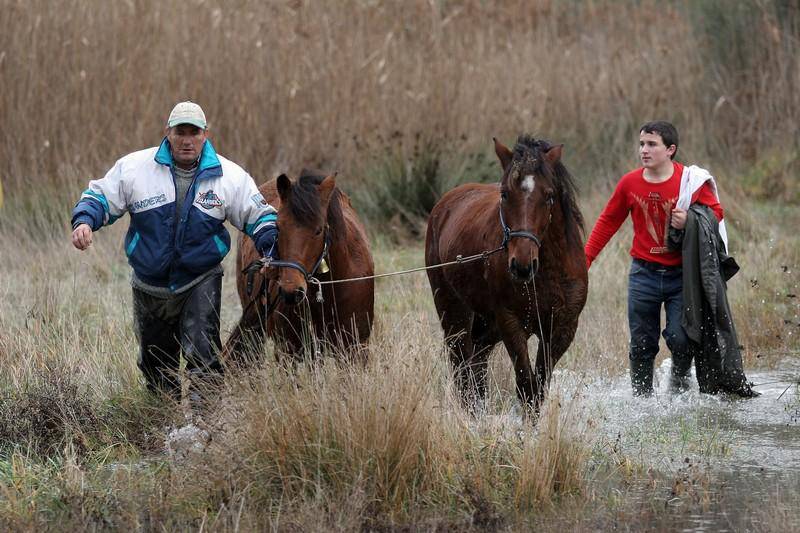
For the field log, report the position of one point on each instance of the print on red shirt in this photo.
(656, 218)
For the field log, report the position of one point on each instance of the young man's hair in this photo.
(667, 131)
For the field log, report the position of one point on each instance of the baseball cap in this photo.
(187, 113)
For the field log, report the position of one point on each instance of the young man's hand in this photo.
(82, 237)
(678, 218)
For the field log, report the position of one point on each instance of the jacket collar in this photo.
(208, 159)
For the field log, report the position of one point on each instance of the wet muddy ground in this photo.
(717, 463)
(685, 462)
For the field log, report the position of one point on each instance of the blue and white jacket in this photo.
(161, 252)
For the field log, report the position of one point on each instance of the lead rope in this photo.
(459, 260)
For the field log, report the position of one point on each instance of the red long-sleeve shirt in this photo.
(650, 206)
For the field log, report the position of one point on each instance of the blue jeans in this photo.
(649, 287)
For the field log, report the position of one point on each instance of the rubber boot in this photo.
(679, 381)
(678, 384)
(681, 369)
(642, 377)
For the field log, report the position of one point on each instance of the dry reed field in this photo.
(402, 99)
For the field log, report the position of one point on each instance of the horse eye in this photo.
(318, 232)
(504, 195)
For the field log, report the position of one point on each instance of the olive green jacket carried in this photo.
(707, 317)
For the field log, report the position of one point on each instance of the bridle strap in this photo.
(258, 264)
(279, 263)
(322, 256)
(509, 234)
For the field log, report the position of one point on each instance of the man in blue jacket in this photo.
(178, 195)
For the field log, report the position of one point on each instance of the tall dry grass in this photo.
(338, 85)
(324, 446)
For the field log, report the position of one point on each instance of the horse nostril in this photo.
(291, 297)
(519, 271)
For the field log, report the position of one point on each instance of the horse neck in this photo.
(557, 249)
(337, 256)
(342, 250)
(487, 221)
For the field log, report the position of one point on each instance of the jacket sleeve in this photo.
(103, 202)
(252, 214)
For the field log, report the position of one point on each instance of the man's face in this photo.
(652, 150)
(186, 141)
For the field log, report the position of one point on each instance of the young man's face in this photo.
(652, 151)
(186, 141)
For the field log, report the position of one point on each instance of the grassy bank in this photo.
(329, 446)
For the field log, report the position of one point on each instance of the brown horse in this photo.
(535, 284)
(319, 238)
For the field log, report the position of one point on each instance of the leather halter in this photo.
(254, 267)
(509, 234)
(282, 263)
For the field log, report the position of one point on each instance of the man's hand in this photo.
(678, 219)
(268, 271)
(82, 236)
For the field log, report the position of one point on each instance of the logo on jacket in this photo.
(209, 200)
(258, 200)
(141, 205)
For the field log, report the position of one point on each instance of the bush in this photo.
(52, 411)
(400, 190)
(47, 414)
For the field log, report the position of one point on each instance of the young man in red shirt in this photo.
(649, 194)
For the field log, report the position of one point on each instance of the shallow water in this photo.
(731, 434)
(737, 460)
(724, 463)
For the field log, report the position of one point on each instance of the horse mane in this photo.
(305, 205)
(528, 146)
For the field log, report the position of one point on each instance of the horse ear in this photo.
(284, 186)
(326, 188)
(503, 153)
(553, 155)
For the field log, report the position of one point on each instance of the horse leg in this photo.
(551, 348)
(484, 338)
(516, 342)
(356, 347)
(346, 339)
(456, 319)
(246, 339)
(290, 329)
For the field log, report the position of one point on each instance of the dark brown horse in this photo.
(320, 238)
(535, 284)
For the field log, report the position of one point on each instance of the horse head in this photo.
(528, 194)
(303, 236)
